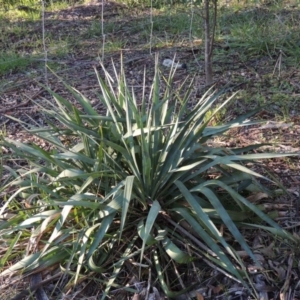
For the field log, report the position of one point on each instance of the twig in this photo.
(4, 110)
(213, 28)
(102, 30)
(151, 26)
(278, 63)
(287, 284)
(34, 287)
(190, 35)
(44, 42)
(149, 285)
(180, 280)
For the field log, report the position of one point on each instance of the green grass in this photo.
(244, 34)
(11, 62)
(262, 31)
(250, 30)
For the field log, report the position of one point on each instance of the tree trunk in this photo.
(209, 29)
(208, 46)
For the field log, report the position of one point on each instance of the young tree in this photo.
(207, 9)
(209, 31)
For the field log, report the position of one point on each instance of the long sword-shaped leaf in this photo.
(237, 197)
(175, 253)
(162, 281)
(153, 213)
(117, 268)
(99, 235)
(223, 260)
(227, 221)
(204, 217)
(126, 200)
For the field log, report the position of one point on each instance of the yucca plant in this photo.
(139, 186)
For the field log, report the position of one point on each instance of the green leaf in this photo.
(175, 253)
(153, 213)
(99, 235)
(8, 252)
(126, 201)
(237, 197)
(149, 238)
(162, 281)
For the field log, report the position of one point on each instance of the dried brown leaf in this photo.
(258, 196)
(199, 296)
